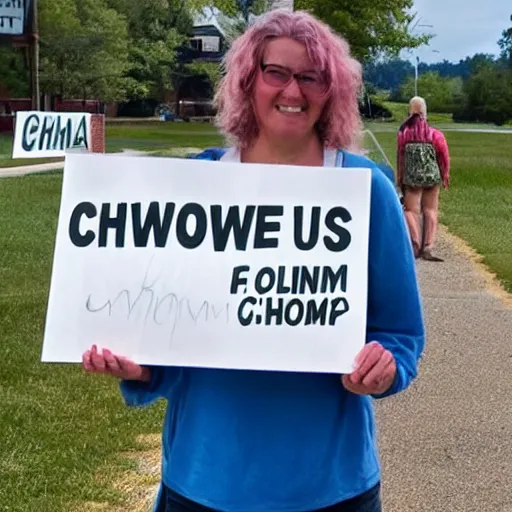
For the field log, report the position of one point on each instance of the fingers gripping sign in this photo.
(375, 370)
(110, 364)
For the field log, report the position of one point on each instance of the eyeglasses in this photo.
(280, 76)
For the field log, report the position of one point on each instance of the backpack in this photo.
(421, 168)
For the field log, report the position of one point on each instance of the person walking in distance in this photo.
(423, 166)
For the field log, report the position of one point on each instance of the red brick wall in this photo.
(69, 105)
(98, 133)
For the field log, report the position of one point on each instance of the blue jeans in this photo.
(366, 502)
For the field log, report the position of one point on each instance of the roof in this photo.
(206, 30)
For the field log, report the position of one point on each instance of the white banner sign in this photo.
(12, 17)
(210, 264)
(50, 134)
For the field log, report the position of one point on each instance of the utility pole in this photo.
(416, 65)
(34, 61)
(418, 24)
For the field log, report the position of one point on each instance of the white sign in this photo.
(50, 134)
(12, 17)
(281, 4)
(211, 43)
(210, 264)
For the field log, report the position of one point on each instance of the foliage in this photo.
(110, 49)
(441, 94)
(209, 69)
(234, 9)
(234, 16)
(505, 44)
(488, 96)
(371, 108)
(84, 49)
(371, 28)
(390, 74)
(152, 63)
(13, 72)
(156, 30)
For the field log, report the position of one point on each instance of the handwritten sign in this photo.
(50, 134)
(12, 17)
(210, 264)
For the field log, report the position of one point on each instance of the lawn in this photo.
(149, 136)
(60, 427)
(478, 205)
(6, 154)
(63, 431)
(400, 112)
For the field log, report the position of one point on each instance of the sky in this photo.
(462, 27)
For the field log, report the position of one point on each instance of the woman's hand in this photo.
(374, 373)
(116, 366)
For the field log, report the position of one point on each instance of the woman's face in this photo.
(289, 94)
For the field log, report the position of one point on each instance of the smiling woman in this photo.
(292, 90)
(289, 441)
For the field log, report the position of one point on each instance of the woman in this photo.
(251, 441)
(423, 165)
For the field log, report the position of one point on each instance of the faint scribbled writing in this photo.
(151, 302)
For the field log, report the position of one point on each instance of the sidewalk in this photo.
(8, 172)
(446, 443)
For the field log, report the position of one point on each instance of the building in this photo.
(207, 43)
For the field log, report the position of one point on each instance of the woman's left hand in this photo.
(374, 373)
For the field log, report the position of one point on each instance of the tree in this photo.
(84, 49)
(233, 16)
(371, 27)
(211, 70)
(13, 71)
(156, 30)
(389, 74)
(505, 44)
(488, 96)
(441, 94)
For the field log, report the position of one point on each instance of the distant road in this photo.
(374, 127)
(478, 130)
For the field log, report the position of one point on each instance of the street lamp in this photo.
(416, 65)
(417, 59)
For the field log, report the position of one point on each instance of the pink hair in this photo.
(415, 129)
(339, 125)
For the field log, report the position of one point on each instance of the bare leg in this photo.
(430, 208)
(412, 206)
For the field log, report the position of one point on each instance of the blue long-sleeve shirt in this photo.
(255, 441)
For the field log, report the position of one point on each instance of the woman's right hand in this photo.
(116, 366)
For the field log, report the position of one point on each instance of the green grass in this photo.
(60, 427)
(149, 136)
(155, 136)
(6, 155)
(478, 204)
(400, 112)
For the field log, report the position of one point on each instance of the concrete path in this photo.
(446, 443)
(8, 172)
